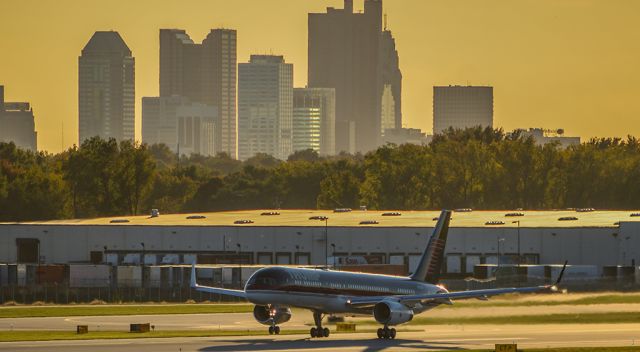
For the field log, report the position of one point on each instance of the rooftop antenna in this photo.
(385, 21)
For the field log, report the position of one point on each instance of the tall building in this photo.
(391, 104)
(265, 107)
(182, 125)
(205, 73)
(17, 124)
(106, 88)
(314, 120)
(461, 107)
(345, 53)
(387, 110)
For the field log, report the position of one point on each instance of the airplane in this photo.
(392, 300)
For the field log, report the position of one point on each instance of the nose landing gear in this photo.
(275, 329)
(386, 333)
(318, 331)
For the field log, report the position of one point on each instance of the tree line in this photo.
(473, 168)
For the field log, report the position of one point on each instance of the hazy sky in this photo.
(572, 64)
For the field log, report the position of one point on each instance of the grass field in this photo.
(595, 318)
(64, 311)
(551, 300)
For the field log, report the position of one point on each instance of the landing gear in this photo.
(274, 330)
(386, 333)
(318, 331)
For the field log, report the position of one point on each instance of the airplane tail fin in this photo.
(428, 269)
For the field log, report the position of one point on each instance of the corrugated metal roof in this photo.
(598, 218)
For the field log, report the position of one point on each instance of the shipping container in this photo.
(51, 274)
(536, 272)
(396, 259)
(150, 259)
(576, 272)
(4, 275)
(112, 259)
(204, 273)
(227, 275)
(155, 276)
(189, 259)
(129, 276)
(131, 258)
(13, 274)
(82, 275)
(170, 259)
(22, 275)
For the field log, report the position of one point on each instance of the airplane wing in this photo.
(216, 290)
(446, 297)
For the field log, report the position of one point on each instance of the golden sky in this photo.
(572, 64)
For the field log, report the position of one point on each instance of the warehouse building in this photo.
(308, 237)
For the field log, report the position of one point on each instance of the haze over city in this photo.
(553, 64)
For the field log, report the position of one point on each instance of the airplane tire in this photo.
(392, 333)
(312, 332)
(380, 334)
(276, 330)
(271, 330)
(325, 332)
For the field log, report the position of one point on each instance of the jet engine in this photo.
(392, 313)
(271, 315)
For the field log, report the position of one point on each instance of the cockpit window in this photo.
(268, 279)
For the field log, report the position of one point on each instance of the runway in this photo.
(435, 338)
(301, 319)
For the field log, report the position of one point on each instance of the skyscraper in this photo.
(17, 124)
(205, 73)
(265, 107)
(314, 120)
(106, 88)
(391, 81)
(180, 124)
(462, 107)
(350, 52)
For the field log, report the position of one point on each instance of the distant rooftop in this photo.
(375, 218)
(271, 59)
(106, 42)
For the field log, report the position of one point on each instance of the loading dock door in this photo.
(28, 250)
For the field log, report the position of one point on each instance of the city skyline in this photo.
(555, 68)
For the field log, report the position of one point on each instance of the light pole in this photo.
(326, 241)
(326, 238)
(519, 255)
(240, 262)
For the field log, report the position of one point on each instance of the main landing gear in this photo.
(386, 333)
(275, 329)
(318, 331)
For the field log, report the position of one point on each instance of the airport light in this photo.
(326, 238)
